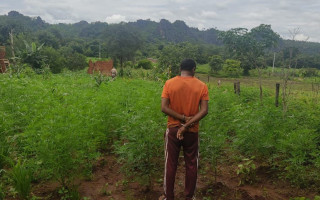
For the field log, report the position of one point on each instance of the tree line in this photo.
(59, 46)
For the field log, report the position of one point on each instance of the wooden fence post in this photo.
(277, 94)
(236, 87)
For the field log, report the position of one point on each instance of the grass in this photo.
(269, 81)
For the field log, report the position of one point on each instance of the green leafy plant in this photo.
(2, 191)
(105, 191)
(69, 194)
(100, 78)
(32, 54)
(21, 179)
(246, 171)
(3, 155)
(300, 198)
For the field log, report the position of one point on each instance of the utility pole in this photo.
(99, 50)
(12, 48)
(274, 59)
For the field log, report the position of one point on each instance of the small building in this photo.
(4, 63)
(104, 67)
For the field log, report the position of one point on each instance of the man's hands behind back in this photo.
(183, 128)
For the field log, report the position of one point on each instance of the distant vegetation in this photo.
(67, 45)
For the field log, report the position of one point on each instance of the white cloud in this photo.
(209, 14)
(302, 37)
(116, 19)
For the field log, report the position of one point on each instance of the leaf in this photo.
(34, 47)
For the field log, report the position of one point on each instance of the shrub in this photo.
(215, 63)
(33, 55)
(232, 68)
(127, 72)
(128, 64)
(309, 72)
(145, 64)
(76, 61)
(54, 59)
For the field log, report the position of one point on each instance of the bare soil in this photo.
(109, 183)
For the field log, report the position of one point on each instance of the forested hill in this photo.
(150, 31)
(175, 32)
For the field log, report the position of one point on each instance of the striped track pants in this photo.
(190, 145)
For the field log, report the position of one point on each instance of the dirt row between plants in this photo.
(109, 183)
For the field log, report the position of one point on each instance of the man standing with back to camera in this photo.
(185, 101)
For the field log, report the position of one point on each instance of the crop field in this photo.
(65, 134)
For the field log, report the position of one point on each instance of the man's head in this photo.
(188, 65)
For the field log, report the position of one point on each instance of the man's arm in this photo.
(201, 114)
(167, 110)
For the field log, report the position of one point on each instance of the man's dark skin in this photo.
(188, 120)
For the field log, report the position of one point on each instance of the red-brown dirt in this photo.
(109, 183)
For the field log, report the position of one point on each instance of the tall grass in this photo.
(21, 178)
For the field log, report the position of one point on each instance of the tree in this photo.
(75, 61)
(169, 60)
(290, 57)
(250, 47)
(33, 55)
(55, 60)
(232, 68)
(172, 55)
(215, 63)
(48, 39)
(123, 44)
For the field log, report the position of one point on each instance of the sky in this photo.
(284, 16)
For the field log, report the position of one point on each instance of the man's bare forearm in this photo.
(172, 113)
(188, 119)
(201, 114)
(168, 111)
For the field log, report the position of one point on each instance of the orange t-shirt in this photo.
(184, 94)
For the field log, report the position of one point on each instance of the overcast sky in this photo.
(283, 15)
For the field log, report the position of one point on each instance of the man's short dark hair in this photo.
(188, 64)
